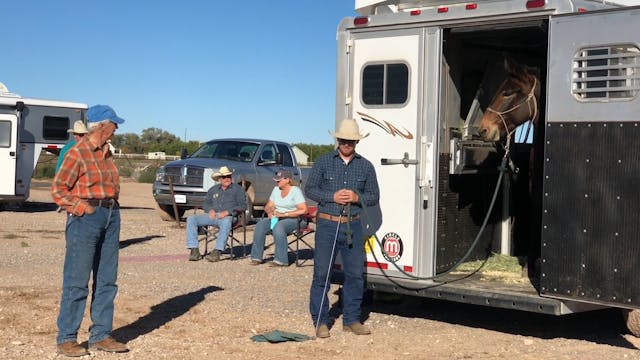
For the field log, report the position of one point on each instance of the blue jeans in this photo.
(280, 231)
(353, 258)
(224, 228)
(92, 246)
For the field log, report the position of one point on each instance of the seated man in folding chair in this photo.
(219, 205)
(285, 204)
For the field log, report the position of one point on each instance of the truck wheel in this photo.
(166, 212)
(632, 320)
(249, 211)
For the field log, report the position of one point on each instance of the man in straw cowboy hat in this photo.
(341, 182)
(220, 202)
(79, 130)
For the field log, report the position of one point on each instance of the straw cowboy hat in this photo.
(224, 171)
(78, 128)
(349, 130)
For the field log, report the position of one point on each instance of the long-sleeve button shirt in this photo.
(330, 174)
(233, 198)
(87, 172)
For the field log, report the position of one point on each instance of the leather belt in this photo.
(334, 218)
(108, 203)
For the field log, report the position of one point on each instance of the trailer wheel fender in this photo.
(632, 320)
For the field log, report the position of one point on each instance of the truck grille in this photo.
(186, 176)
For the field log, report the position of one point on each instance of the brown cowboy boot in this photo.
(72, 349)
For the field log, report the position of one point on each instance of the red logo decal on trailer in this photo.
(392, 247)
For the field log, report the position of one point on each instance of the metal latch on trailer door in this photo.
(404, 161)
(426, 170)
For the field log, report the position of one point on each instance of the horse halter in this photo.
(533, 112)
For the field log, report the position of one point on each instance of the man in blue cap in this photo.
(87, 186)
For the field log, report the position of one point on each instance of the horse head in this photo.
(515, 102)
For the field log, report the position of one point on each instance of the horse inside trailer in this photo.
(473, 68)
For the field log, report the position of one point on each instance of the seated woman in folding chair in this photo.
(221, 201)
(285, 204)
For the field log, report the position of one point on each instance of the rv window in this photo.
(609, 72)
(385, 84)
(55, 128)
(5, 134)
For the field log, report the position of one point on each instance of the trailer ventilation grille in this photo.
(609, 72)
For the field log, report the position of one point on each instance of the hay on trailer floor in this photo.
(497, 267)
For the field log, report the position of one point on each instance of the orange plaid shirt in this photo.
(87, 172)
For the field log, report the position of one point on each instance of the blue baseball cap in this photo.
(103, 112)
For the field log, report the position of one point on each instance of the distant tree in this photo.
(128, 143)
(314, 151)
(192, 146)
(154, 139)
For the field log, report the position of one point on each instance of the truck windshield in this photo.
(227, 150)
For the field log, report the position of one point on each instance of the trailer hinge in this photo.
(349, 46)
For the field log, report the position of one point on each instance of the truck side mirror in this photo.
(183, 153)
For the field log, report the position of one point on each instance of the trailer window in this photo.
(5, 134)
(55, 127)
(385, 84)
(606, 72)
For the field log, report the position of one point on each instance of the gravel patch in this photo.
(170, 308)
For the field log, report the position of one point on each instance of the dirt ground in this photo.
(168, 307)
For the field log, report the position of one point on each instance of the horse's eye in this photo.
(509, 92)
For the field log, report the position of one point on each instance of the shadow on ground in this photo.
(30, 207)
(129, 242)
(161, 314)
(600, 326)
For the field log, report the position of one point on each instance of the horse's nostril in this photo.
(482, 131)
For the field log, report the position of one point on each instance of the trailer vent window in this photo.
(55, 128)
(5, 134)
(385, 84)
(611, 72)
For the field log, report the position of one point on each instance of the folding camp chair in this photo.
(239, 226)
(306, 227)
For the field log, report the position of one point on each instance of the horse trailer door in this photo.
(591, 198)
(8, 143)
(388, 76)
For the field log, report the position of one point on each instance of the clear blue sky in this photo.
(253, 68)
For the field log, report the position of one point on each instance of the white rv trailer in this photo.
(27, 127)
(417, 75)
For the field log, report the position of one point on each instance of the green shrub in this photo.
(125, 171)
(44, 171)
(148, 174)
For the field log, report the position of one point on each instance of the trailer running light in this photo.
(471, 6)
(581, 10)
(532, 4)
(415, 12)
(359, 21)
(443, 9)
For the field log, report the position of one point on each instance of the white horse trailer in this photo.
(417, 75)
(27, 127)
